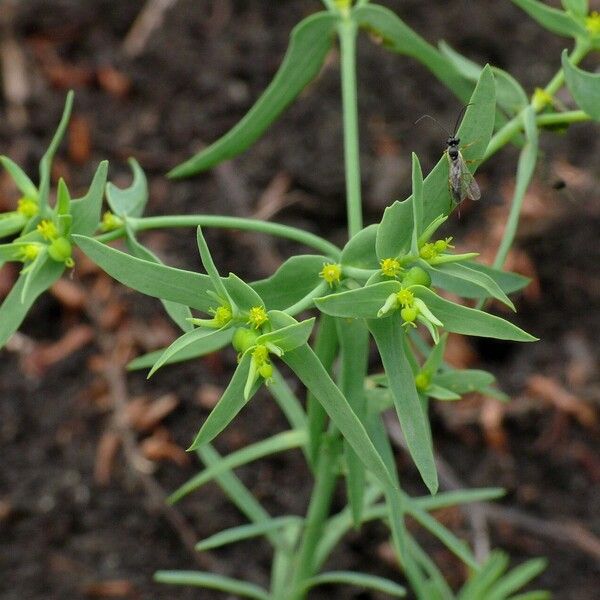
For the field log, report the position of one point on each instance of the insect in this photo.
(461, 182)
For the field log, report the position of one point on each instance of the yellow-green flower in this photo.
(257, 316)
(110, 222)
(331, 273)
(541, 99)
(390, 267)
(47, 230)
(28, 252)
(27, 207)
(592, 23)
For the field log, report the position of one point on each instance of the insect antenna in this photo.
(461, 114)
(434, 120)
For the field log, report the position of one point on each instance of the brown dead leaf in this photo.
(79, 139)
(491, 418)
(143, 415)
(553, 392)
(116, 588)
(106, 452)
(113, 81)
(159, 447)
(207, 395)
(69, 294)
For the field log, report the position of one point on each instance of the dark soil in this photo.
(61, 533)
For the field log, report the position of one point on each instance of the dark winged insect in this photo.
(461, 182)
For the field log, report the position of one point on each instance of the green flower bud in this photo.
(60, 250)
(243, 339)
(417, 276)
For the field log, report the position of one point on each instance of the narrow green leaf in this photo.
(516, 579)
(438, 392)
(360, 250)
(360, 303)
(46, 162)
(538, 595)
(463, 381)
(310, 42)
(510, 95)
(63, 198)
(277, 443)
(307, 366)
(360, 580)
(578, 7)
(454, 498)
(292, 281)
(22, 181)
(508, 282)
(417, 203)
(201, 347)
(287, 401)
(470, 321)
(388, 334)
(525, 170)
(180, 313)
(395, 230)
(212, 582)
(464, 273)
(326, 346)
(229, 405)
(210, 267)
(400, 38)
(247, 532)
(131, 201)
(31, 273)
(86, 210)
(457, 546)
(152, 279)
(290, 337)
(241, 294)
(202, 339)
(13, 311)
(552, 19)
(354, 349)
(480, 581)
(11, 223)
(584, 86)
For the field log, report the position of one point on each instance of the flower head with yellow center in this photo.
(257, 316)
(331, 273)
(390, 267)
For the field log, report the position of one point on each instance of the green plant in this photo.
(378, 286)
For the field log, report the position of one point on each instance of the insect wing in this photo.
(467, 185)
(455, 179)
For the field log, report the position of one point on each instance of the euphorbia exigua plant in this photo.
(318, 313)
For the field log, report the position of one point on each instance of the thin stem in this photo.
(318, 511)
(347, 34)
(220, 221)
(510, 129)
(563, 118)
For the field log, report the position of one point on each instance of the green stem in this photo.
(347, 33)
(318, 511)
(510, 129)
(563, 118)
(220, 221)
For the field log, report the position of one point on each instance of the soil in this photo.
(64, 535)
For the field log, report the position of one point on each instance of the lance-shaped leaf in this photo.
(400, 38)
(360, 250)
(463, 273)
(362, 302)
(514, 580)
(202, 339)
(241, 294)
(354, 348)
(584, 86)
(552, 19)
(307, 366)
(11, 223)
(180, 313)
(31, 274)
(508, 282)
(578, 7)
(293, 280)
(247, 532)
(470, 321)
(212, 582)
(152, 279)
(130, 201)
(288, 337)
(388, 334)
(463, 381)
(276, 443)
(200, 347)
(510, 95)
(22, 181)
(360, 580)
(86, 210)
(228, 406)
(46, 162)
(13, 311)
(310, 42)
